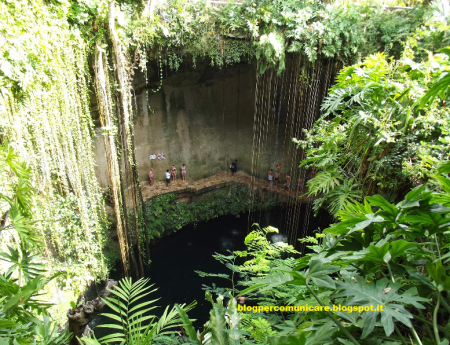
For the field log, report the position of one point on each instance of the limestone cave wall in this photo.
(204, 117)
(201, 117)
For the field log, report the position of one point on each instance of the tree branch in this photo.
(82, 315)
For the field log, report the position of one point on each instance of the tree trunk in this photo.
(124, 110)
(82, 315)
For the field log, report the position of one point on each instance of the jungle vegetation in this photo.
(381, 149)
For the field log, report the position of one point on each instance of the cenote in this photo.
(176, 257)
(133, 133)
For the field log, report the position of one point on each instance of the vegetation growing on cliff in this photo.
(375, 134)
(24, 317)
(45, 114)
(166, 213)
(268, 30)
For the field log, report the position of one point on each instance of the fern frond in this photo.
(324, 181)
(308, 239)
(343, 195)
(335, 99)
(216, 275)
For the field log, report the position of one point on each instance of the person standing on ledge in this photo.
(151, 175)
(276, 177)
(174, 173)
(183, 172)
(288, 181)
(167, 178)
(234, 167)
(300, 185)
(270, 177)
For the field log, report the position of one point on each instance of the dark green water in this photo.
(176, 257)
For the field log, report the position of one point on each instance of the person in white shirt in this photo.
(270, 177)
(167, 178)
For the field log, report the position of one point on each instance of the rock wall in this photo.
(204, 118)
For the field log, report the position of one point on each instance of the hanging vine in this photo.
(105, 107)
(124, 110)
(45, 114)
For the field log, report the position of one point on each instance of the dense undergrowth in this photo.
(165, 213)
(380, 131)
(378, 253)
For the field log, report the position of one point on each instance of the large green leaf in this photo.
(380, 293)
(438, 87)
(268, 282)
(24, 293)
(187, 325)
(382, 252)
(217, 324)
(288, 340)
(425, 222)
(135, 324)
(233, 321)
(379, 201)
(322, 334)
(439, 275)
(345, 226)
(370, 218)
(319, 272)
(400, 247)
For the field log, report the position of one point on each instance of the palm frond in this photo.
(438, 88)
(134, 324)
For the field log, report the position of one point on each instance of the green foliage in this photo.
(165, 213)
(23, 262)
(16, 197)
(44, 112)
(373, 137)
(131, 314)
(378, 254)
(434, 33)
(261, 256)
(269, 29)
(439, 87)
(223, 327)
(23, 316)
(19, 310)
(376, 134)
(259, 329)
(231, 33)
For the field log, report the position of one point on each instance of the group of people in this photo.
(274, 179)
(170, 173)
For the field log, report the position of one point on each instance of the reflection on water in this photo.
(236, 232)
(227, 244)
(278, 238)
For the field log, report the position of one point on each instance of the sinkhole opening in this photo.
(175, 258)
